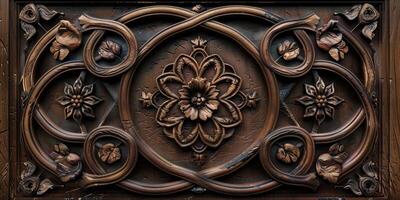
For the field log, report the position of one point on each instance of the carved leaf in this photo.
(334, 53)
(29, 30)
(46, 13)
(109, 50)
(109, 153)
(353, 186)
(288, 153)
(352, 13)
(44, 186)
(29, 169)
(288, 50)
(326, 37)
(368, 30)
(68, 38)
(369, 170)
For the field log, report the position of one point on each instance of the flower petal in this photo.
(165, 84)
(186, 68)
(212, 62)
(205, 113)
(184, 92)
(330, 111)
(185, 135)
(91, 100)
(64, 100)
(306, 100)
(212, 92)
(68, 35)
(191, 113)
(87, 90)
(214, 137)
(87, 111)
(320, 116)
(163, 115)
(328, 40)
(310, 111)
(329, 90)
(68, 89)
(68, 111)
(320, 85)
(310, 90)
(229, 115)
(235, 82)
(78, 85)
(335, 100)
(77, 116)
(212, 104)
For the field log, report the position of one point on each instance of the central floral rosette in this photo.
(198, 99)
(198, 110)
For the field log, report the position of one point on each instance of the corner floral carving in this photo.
(195, 98)
(320, 100)
(31, 15)
(331, 40)
(78, 100)
(367, 184)
(367, 15)
(68, 38)
(329, 165)
(33, 185)
(69, 165)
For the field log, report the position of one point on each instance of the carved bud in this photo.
(29, 14)
(109, 153)
(28, 186)
(288, 50)
(368, 185)
(61, 149)
(109, 50)
(368, 14)
(288, 153)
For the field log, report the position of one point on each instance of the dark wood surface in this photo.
(141, 134)
(394, 128)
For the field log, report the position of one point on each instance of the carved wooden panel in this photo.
(259, 100)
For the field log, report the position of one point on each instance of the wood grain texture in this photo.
(394, 75)
(4, 150)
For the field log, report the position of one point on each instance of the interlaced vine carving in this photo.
(200, 100)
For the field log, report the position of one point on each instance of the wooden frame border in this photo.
(389, 73)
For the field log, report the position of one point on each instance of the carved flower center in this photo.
(321, 101)
(76, 101)
(198, 100)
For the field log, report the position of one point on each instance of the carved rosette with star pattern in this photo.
(199, 99)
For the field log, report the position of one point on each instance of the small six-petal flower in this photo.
(78, 100)
(320, 100)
